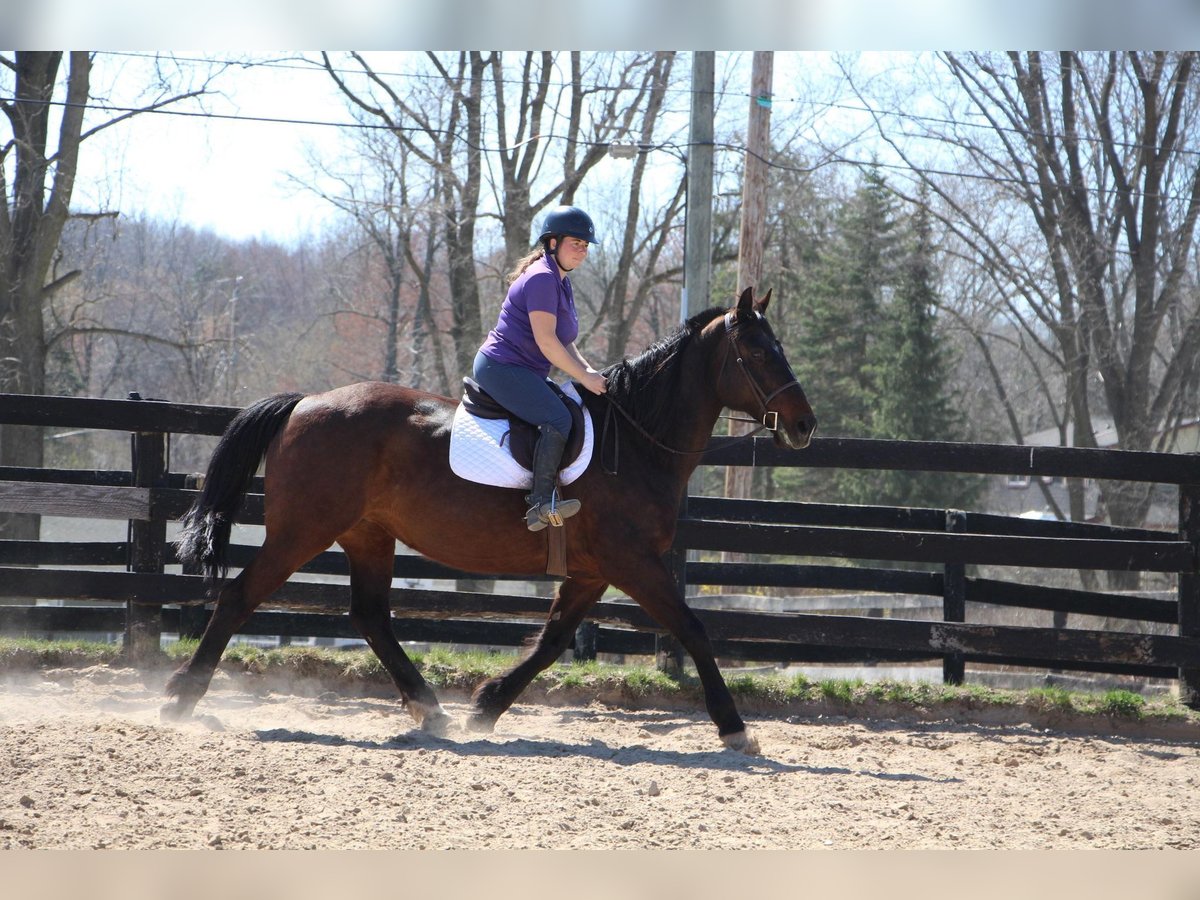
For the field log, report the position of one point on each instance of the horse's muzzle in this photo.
(795, 435)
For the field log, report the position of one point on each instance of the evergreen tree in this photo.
(909, 375)
(842, 303)
(845, 307)
(871, 358)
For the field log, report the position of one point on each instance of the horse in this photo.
(366, 465)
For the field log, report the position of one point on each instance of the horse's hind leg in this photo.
(237, 599)
(571, 603)
(371, 550)
(191, 680)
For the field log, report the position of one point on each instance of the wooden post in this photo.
(668, 652)
(697, 251)
(147, 544)
(954, 599)
(585, 641)
(752, 233)
(1189, 590)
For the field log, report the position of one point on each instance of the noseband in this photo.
(770, 418)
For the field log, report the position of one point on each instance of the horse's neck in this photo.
(695, 415)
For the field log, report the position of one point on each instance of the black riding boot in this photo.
(544, 506)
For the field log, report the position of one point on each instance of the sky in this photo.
(238, 175)
(232, 176)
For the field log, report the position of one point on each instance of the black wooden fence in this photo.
(148, 496)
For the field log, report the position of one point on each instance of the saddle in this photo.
(522, 436)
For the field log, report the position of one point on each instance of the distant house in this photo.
(1025, 496)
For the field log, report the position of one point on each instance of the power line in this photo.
(317, 68)
(679, 148)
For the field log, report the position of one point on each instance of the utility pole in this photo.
(697, 250)
(697, 270)
(752, 234)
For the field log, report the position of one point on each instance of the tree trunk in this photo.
(30, 226)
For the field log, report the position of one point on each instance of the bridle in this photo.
(768, 415)
(769, 420)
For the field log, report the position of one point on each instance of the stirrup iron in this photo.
(551, 512)
(554, 518)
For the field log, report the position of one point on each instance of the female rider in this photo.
(536, 329)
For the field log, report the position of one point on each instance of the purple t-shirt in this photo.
(538, 289)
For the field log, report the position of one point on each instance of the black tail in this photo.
(205, 537)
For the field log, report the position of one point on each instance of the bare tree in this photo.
(600, 99)
(645, 236)
(37, 204)
(544, 130)
(1095, 155)
(443, 129)
(391, 202)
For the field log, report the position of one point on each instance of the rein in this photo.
(612, 404)
(769, 422)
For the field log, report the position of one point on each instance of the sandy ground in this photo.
(86, 763)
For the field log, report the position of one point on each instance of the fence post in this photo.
(147, 544)
(585, 641)
(954, 599)
(1189, 589)
(668, 652)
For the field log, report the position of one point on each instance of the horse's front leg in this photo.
(571, 603)
(651, 584)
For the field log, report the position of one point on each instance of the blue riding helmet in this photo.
(568, 220)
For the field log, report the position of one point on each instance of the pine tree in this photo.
(840, 326)
(909, 374)
(844, 308)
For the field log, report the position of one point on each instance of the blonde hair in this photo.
(524, 263)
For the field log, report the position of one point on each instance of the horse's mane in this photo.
(647, 387)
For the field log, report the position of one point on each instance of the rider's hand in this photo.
(594, 382)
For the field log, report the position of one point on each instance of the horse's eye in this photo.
(757, 355)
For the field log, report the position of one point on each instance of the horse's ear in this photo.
(745, 304)
(762, 304)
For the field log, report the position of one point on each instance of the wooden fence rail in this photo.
(150, 599)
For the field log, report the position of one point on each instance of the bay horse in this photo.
(366, 465)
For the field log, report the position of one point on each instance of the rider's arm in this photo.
(565, 357)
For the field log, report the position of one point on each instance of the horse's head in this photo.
(763, 384)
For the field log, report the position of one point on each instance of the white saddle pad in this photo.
(479, 450)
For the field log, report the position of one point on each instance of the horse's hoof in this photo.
(430, 717)
(480, 724)
(171, 712)
(437, 724)
(743, 742)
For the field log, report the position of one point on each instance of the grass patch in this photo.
(464, 670)
(839, 691)
(18, 654)
(1051, 699)
(1122, 703)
